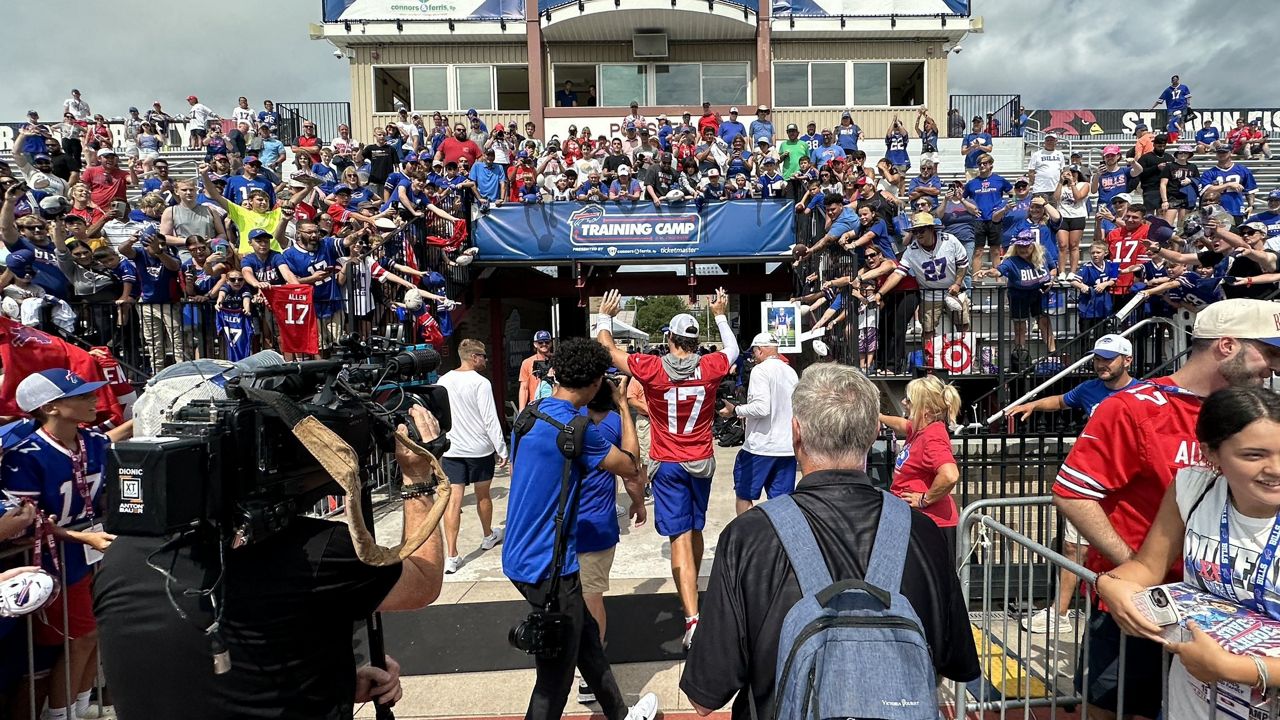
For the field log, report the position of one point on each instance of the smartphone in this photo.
(121, 208)
(1159, 607)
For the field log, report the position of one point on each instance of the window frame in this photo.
(850, 87)
(451, 85)
(651, 98)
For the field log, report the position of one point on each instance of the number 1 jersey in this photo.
(681, 412)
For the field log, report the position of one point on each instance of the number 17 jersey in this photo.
(681, 412)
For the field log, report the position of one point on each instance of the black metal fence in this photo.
(327, 116)
(1004, 109)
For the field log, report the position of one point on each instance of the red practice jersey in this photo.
(295, 314)
(680, 413)
(1127, 455)
(1127, 249)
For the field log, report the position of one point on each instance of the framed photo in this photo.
(783, 320)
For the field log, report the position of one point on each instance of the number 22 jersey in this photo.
(681, 412)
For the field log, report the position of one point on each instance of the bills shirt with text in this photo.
(680, 411)
(1126, 456)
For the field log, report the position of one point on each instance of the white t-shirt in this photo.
(476, 432)
(1248, 536)
(79, 109)
(201, 114)
(767, 411)
(1068, 206)
(1047, 165)
(868, 317)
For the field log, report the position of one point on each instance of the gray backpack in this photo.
(853, 648)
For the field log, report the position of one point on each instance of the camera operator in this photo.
(287, 604)
(560, 633)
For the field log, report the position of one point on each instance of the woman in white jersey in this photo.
(1072, 202)
(1222, 518)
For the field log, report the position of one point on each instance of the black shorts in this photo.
(1144, 675)
(468, 471)
(1177, 202)
(1070, 224)
(1024, 306)
(197, 132)
(986, 233)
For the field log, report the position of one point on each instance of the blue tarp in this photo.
(568, 231)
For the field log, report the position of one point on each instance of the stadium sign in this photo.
(1087, 122)
(594, 227)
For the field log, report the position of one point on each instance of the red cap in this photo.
(193, 97)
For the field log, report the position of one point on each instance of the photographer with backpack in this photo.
(553, 447)
(835, 544)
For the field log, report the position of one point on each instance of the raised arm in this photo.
(210, 188)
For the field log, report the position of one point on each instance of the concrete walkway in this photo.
(641, 566)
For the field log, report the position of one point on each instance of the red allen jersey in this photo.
(680, 412)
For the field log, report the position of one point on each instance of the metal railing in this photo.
(327, 116)
(1002, 108)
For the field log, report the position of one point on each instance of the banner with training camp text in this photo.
(634, 232)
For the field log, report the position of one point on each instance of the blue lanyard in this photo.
(1268, 556)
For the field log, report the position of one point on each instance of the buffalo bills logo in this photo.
(24, 336)
(595, 225)
(902, 457)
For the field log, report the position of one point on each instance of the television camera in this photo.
(234, 463)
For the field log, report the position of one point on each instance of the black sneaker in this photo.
(585, 696)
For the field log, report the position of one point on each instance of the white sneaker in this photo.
(451, 564)
(491, 540)
(646, 708)
(1042, 621)
(690, 627)
(585, 695)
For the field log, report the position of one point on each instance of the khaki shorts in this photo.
(593, 570)
(932, 313)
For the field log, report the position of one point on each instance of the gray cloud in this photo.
(1068, 54)
(164, 51)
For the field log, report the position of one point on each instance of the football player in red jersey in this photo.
(680, 389)
(1112, 482)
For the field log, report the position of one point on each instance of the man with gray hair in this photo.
(835, 417)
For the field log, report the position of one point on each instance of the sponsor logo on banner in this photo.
(1085, 122)
(594, 229)
(952, 352)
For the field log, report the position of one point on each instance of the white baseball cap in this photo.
(36, 391)
(1240, 318)
(624, 169)
(764, 339)
(1111, 346)
(684, 325)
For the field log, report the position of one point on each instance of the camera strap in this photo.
(569, 440)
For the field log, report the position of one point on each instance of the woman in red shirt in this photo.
(925, 470)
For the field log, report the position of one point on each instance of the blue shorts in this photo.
(752, 473)
(679, 500)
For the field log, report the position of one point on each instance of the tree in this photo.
(656, 311)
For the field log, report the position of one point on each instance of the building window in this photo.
(391, 86)
(475, 87)
(620, 84)
(725, 83)
(816, 84)
(583, 78)
(906, 83)
(676, 85)
(512, 85)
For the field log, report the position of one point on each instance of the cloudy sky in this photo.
(1067, 54)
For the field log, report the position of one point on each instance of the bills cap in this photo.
(36, 391)
(1274, 194)
(1125, 198)
(542, 336)
(733, 110)
(259, 233)
(764, 339)
(1242, 318)
(1111, 150)
(684, 325)
(1111, 346)
(1026, 237)
(106, 151)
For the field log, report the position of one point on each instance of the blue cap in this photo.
(36, 391)
(433, 279)
(21, 263)
(1274, 194)
(542, 336)
(258, 233)
(133, 109)
(522, 154)
(471, 112)
(342, 188)
(411, 157)
(41, 157)
(1027, 237)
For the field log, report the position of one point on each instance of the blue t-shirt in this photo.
(987, 193)
(761, 129)
(1092, 304)
(1197, 291)
(271, 151)
(327, 294)
(933, 182)
(1111, 183)
(971, 157)
(1016, 215)
(49, 273)
(488, 179)
(157, 284)
(1176, 98)
(265, 271)
(814, 141)
(1208, 136)
(40, 468)
(957, 220)
(730, 129)
(822, 155)
(881, 241)
(597, 511)
(1089, 394)
(846, 137)
(1024, 278)
(239, 187)
(529, 544)
(126, 272)
(1231, 201)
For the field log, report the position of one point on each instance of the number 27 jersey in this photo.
(681, 412)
